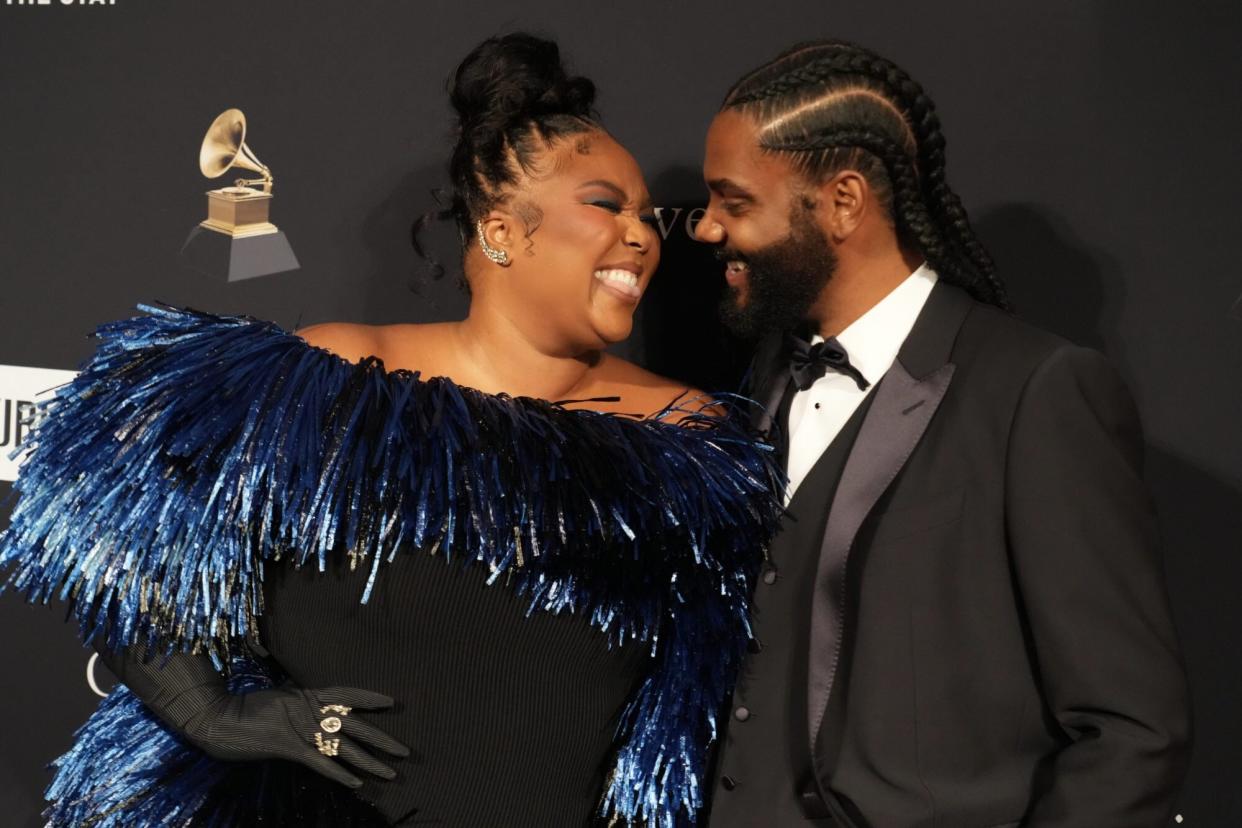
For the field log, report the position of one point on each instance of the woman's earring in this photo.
(500, 257)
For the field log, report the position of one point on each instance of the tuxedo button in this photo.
(769, 575)
(728, 783)
(741, 714)
(813, 806)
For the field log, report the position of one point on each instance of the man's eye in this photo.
(734, 208)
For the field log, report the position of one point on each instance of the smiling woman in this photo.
(280, 511)
(554, 215)
(559, 240)
(576, 276)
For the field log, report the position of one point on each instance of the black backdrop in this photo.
(1093, 142)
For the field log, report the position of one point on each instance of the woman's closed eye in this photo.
(614, 207)
(606, 204)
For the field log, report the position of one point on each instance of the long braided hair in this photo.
(832, 105)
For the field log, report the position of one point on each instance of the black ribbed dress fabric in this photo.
(509, 719)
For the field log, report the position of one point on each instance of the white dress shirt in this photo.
(872, 341)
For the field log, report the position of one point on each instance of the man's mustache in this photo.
(725, 254)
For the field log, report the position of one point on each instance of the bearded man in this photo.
(964, 620)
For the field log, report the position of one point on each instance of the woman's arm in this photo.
(287, 722)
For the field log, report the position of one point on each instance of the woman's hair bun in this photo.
(514, 79)
(513, 99)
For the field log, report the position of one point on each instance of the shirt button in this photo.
(769, 575)
(817, 406)
(728, 783)
(754, 645)
(741, 714)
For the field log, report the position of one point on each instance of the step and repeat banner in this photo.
(1093, 143)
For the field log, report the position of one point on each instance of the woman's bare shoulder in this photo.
(646, 392)
(350, 340)
(404, 345)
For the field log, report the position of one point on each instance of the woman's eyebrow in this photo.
(616, 191)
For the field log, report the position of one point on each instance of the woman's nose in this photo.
(639, 235)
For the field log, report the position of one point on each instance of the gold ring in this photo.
(335, 708)
(328, 747)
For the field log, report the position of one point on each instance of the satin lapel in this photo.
(905, 401)
(769, 380)
(900, 413)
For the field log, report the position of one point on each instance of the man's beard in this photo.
(785, 280)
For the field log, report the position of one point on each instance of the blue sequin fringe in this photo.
(192, 447)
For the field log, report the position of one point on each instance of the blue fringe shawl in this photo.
(193, 447)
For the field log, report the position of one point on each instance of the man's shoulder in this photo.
(1005, 339)
(1002, 353)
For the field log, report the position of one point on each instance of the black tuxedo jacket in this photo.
(991, 642)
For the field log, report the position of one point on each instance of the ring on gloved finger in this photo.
(332, 724)
(328, 747)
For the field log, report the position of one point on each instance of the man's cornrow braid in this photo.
(948, 240)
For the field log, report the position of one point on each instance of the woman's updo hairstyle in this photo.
(513, 98)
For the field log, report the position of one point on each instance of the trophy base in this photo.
(234, 258)
(239, 231)
(239, 211)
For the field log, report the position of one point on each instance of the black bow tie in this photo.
(808, 362)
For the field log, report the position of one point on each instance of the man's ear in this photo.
(843, 200)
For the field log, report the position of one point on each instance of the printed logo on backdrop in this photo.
(672, 219)
(20, 388)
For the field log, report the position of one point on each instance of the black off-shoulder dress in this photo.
(510, 719)
(557, 599)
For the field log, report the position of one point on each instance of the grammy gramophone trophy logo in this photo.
(237, 239)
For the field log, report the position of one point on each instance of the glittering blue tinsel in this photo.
(127, 770)
(192, 447)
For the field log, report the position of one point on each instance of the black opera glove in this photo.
(301, 725)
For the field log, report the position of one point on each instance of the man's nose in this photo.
(708, 230)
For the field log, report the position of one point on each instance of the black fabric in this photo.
(292, 796)
(781, 424)
(1008, 654)
(763, 773)
(176, 688)
(510, 718)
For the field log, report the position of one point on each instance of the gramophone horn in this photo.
(225, 147)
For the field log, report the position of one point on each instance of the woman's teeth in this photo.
(623, 276)
(622, 280)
